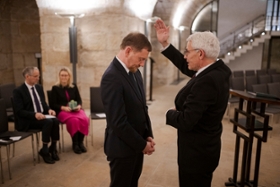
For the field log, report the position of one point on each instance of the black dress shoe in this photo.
(76, 149)
(82, 148)
(46, 157)
(54, 155)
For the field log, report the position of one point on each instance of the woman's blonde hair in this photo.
(70, 77)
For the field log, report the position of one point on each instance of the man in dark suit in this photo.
(31, 110)
(128, 135)
(199, 105)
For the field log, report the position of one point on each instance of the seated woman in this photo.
(75, 119)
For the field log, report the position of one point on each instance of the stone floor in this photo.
(160, 169)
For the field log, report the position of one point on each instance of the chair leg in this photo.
(86, 140)
(91, 127)
(37, 145)
(59, 146)
(2, 175)
(271, 123)
(32, 144)
(62, 135)
(14, 149)
(8, 159)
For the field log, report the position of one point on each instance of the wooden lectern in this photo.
(249, 124)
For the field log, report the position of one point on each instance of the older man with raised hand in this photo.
(199, 105)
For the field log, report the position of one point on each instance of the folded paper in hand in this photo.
(49, 116)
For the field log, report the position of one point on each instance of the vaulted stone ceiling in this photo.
(167, 10)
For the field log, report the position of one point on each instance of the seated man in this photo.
(31, 108)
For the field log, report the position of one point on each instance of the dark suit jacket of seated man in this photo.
(30, 118)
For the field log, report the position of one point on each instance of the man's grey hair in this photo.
(207, 42)
(29, 70)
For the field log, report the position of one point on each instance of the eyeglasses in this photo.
(186, 52)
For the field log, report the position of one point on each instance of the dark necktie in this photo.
(133, 79)
(36, 100)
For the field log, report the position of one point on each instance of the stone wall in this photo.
(30, 30)
(98, 39)
(6, 69)
(20, 38)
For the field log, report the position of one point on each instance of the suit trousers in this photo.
(125, 172)
(49, 127)
(187, 179)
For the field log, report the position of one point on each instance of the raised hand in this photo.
(162, 32)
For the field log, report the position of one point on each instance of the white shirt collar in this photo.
(28, 86)
(123, 64)
(202, 69)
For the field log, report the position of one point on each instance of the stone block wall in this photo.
(27, 29)
(6, 68)
(20, 38)
(98, 40)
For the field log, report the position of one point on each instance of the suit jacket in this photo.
(24, 105)
(128, 123)
(200, 108)
(58, 97)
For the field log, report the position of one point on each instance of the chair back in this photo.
(96, 105)
(274, 89)
(261, 88)
(250, 72)
(271, 71)
(3, 117)
(275, 78)
(238, 83)
(15, 116)
(238, 73)
(49, 92)
(250, 80)
(261, 72)
(264, 79)
(6, 91)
